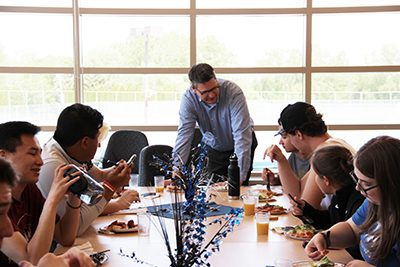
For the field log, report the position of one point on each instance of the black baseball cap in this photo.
(293, 116)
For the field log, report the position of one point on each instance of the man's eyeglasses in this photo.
(358, 183)
(207, 91)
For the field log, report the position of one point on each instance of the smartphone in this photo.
(292, 198)
(99, 258)
(131, 160)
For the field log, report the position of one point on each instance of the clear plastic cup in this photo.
(262, 221)
(144, 223)
(249, 205)
(134, 181)
(255, 193)
(159, 183)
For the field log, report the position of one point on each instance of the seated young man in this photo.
(34, 218)
(73, 257)
(75, 141)
(306, 131)
(298, 165)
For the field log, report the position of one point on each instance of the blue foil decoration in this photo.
(191, 247)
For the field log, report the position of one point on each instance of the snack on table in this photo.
(220, 187)
(269, 193)
(273, 209)
(324, 262)
(265, 194)
(119, 227)
(282, 229)
(302, 232)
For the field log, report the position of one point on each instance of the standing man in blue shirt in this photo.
(219, 108)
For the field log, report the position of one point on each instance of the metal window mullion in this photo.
(193, 33)
(308, 41)
(77, 61)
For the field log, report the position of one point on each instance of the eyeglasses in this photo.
(207, 91)
(358, 183)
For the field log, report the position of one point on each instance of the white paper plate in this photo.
(311, 263)
(104, 230)
(288, 234)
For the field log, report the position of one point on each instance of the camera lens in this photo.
(79, 186)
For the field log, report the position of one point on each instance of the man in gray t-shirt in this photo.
(298, 165)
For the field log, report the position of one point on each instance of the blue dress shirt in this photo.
(228, 121)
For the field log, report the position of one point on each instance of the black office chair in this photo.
(146, 170)
(196, 137)
(122, 145)
(195, 141)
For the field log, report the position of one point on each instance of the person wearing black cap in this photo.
(307, 132)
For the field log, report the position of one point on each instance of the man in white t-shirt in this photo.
(75, 141)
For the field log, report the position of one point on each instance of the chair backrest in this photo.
(196, 137)
(122, 145)
(195, 141)
(147, 171)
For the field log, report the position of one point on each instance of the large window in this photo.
(130, 59)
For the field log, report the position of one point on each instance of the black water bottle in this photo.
(233, 177)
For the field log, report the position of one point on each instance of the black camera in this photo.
(79, 186)
(88, 189)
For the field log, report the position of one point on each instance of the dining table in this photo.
(241, 247)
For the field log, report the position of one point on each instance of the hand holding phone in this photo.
(304, 218)
(295, 201)
(131, 160)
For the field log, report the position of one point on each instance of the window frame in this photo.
(308, 70)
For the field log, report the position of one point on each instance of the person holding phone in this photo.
(376, 224)
(75, 141)
(333, 165)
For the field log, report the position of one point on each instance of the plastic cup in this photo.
(262, 221)
(254, 193)
(144, 223)
(283, 263)
(249, 205)
(133, 182)
(159, 183)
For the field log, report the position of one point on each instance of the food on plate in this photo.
(116, 226)
(324, 262)
(282, 229)
(302, 232)
(273, 218)
(266, 195)
(269, 193)
(221, 186)
(273, 209)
